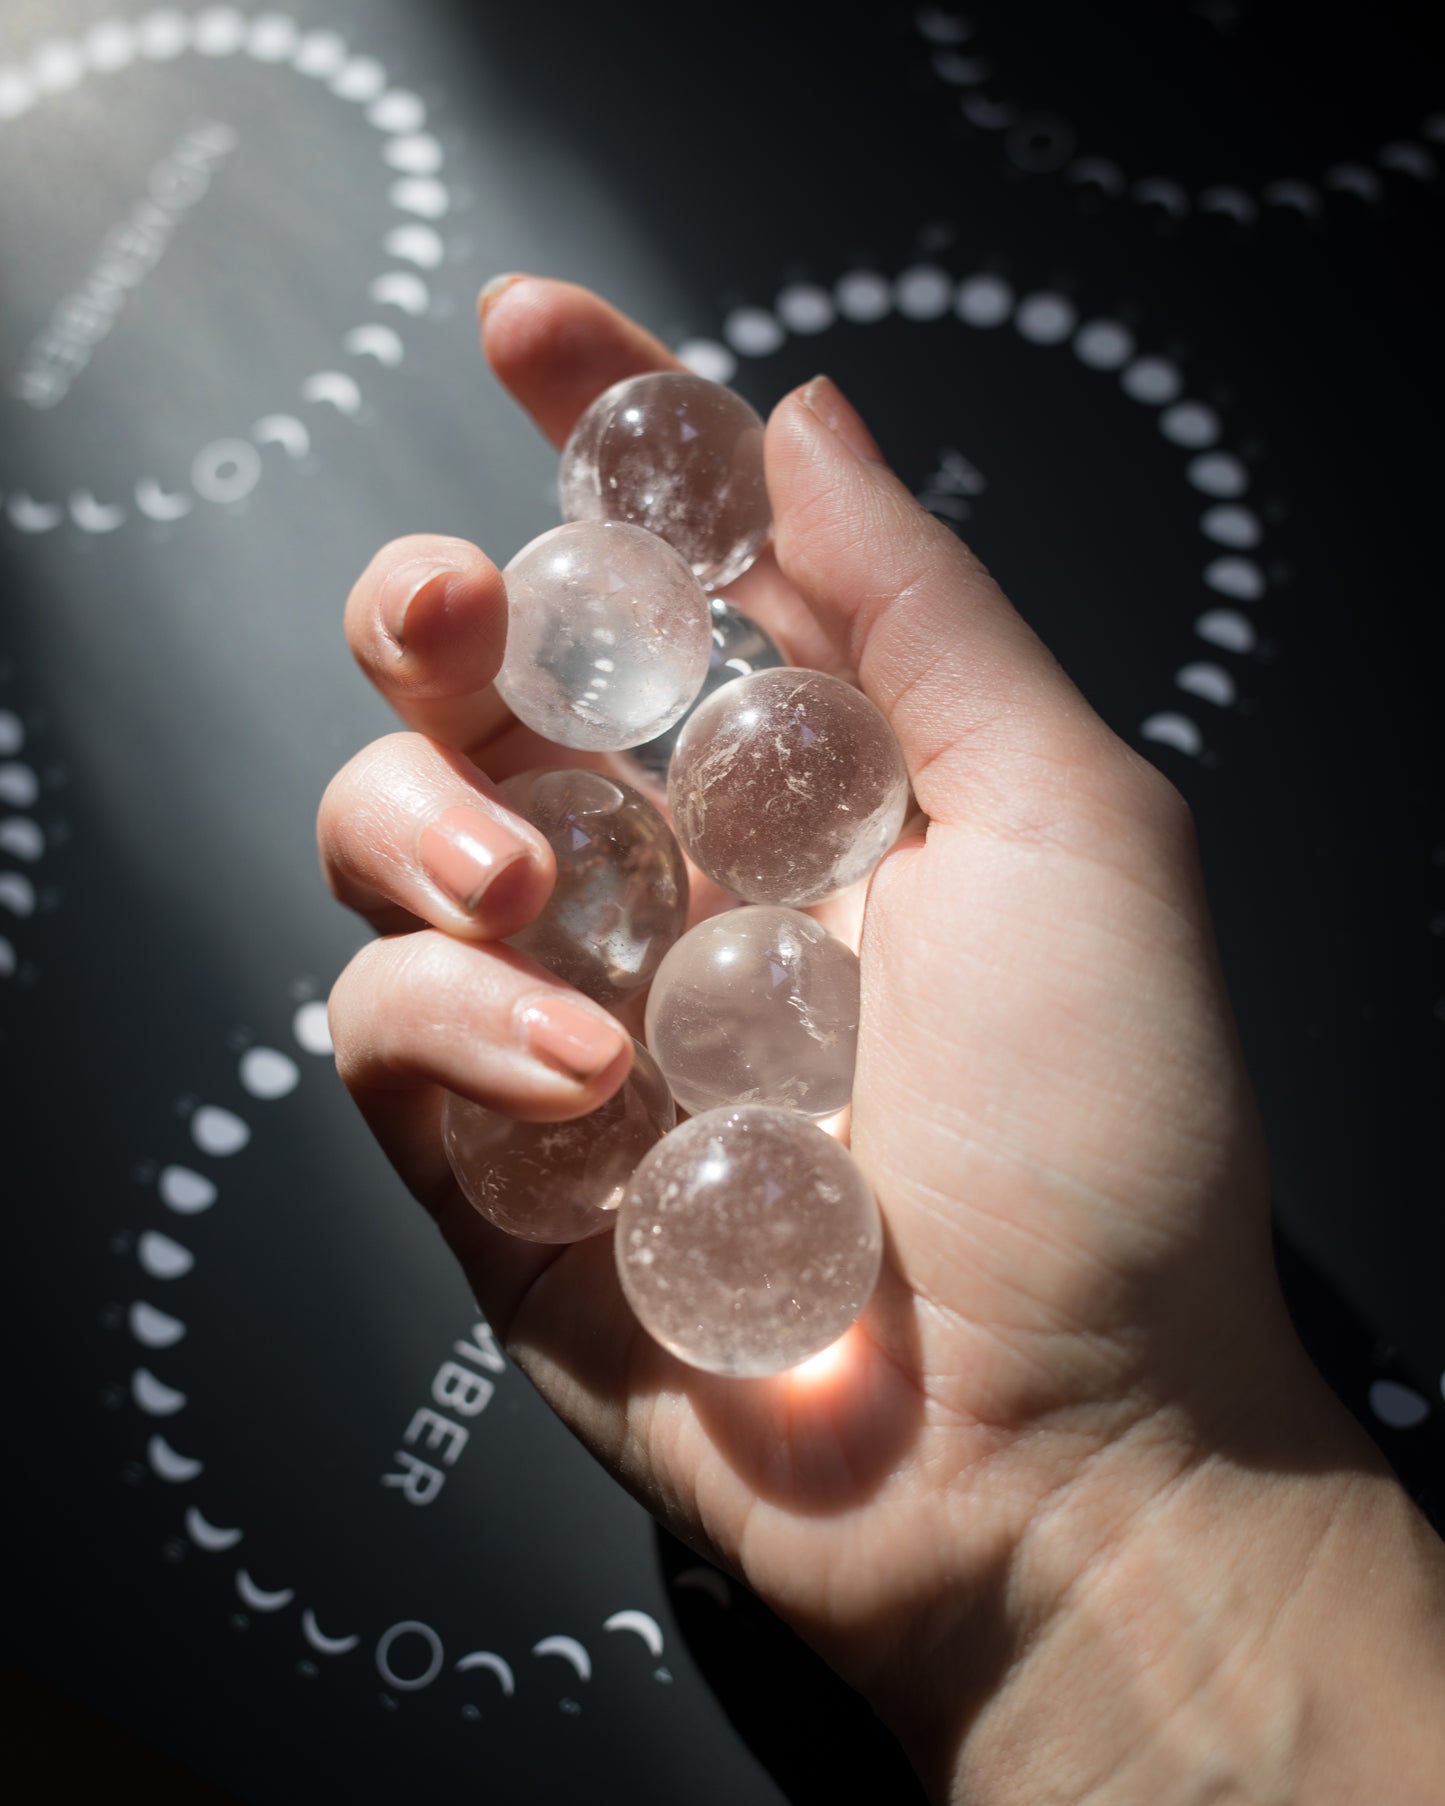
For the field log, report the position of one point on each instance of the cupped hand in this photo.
(1078, 1315)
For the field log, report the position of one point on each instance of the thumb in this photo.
(973, 695)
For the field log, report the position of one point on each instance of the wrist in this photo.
(1264, 1622)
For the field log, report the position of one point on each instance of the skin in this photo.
(1069, 1506)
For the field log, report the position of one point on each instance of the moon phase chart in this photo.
(232, 225)
(31, 833)
(1059, 95)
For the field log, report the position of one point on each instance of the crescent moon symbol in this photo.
(639, 1622)
(1291, 192)
(209, 1536)
(185, 1192)
(334, 386)
(92, 516)
(1240, 578)
(570, 1650)
(19, 786)
(170, 1464)
(1229, 200)
(380, 342)
(1210, 681)
(159, 504)
(1159, 191)
(8, 961)
(314, 1635)
(31, 516)
(219, 1132)
(163, 1258)
(1102, 173)
(285, 430)
(485, 1658)
(706, 1580)
(20, 836)
(17, 893)
(153, 1328)
(258, 1599)
(1174, 730)
(154, 1397)
(1411, 160)
(403, 289)
(415, 244)
(1228, 628)
(1354, 178)
(423, 195)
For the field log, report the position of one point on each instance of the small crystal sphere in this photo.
(787, 786)
(620, 900)
(557, 1181)
(739, 647)
(608, 636)
(757, 1006)
(748, 1240)
(680, 456)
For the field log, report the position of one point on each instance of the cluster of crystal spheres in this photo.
(747, 1241)
(787, 786)
(557, 1181)
(620, 900)
(677, 455)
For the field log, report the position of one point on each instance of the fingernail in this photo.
(827, 401)
(400, 593)
(463, 850)
(574, 1040)
(496, 287)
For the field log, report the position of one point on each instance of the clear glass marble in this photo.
(747, 1241)
(680, 456)
(557, 1181)
(620, 900)
(787, 786)
(757, 1006)
(608, 636)
(739, 647)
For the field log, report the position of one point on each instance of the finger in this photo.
(427, 623)
(409, 831)
(556, 347)
(421, 1010)
(971, 692)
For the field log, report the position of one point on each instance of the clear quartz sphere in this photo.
(681, 456)
(787, 786)
(757, 1006)
(739, 647)
(608, 636)
(620, 900)
(557, 1181)
(748, 1240)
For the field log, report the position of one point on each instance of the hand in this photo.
(1067, 1486)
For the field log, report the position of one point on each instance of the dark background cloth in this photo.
(1143, 299)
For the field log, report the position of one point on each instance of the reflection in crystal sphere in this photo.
(757, 1006)
(680, 456)
(557, 1181)
(620, 900)
(747, 1241)
(608, 636)
(787, 786)
(739, 647)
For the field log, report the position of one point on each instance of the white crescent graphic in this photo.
(160, 504)
(399, 111)
(403, 289)
(170, 1464)
(1290, 192)
(1218, 473)
(940, 27)
(961, 71)
(31, 516)
(1240, 578)
(155, 1398)
(22, 837)
(17, 893)
(153, 1328)
(415, 244)
(1229, 200)
(19, 786)
(268, 1073)
(380, 342)
(1227, 628)
(12, 732)
(334, 386)
(570, 1650)
(1354, 178)
(320, 54)
(639, 1623)
(163, 1258)
(988, 115)
(257, 1598)
(1212, 682)
(1411, 160)
(92, 516)
(484, 1658)
(318, 1640)
(1399, 1406)
(185, 1192)
(1103, 174)
(706, 1580)
(363, 78)
(1174, 730)
(1157, 191)
(423, 195)
(272, 38)
(8, 961)
(219, 1132)
(284, 430)
(311, 1027)
(416, 155)
(208, 1536)
(1228, 525)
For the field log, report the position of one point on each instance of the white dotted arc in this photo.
(226, 470)
(1044, 143)
(23, 842)
(984, 301)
